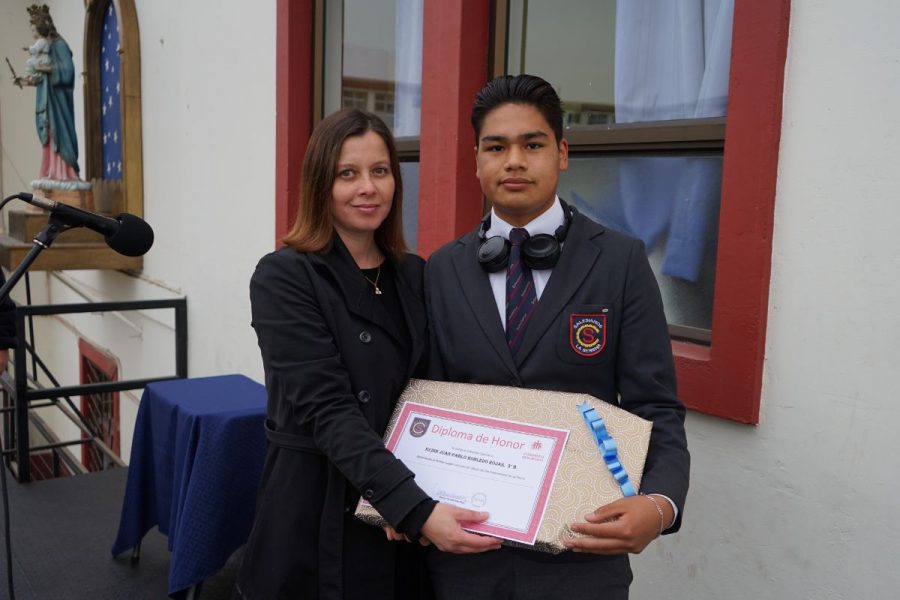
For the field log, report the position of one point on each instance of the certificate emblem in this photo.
(587, 333)
(419, 426)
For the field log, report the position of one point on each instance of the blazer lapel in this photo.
(579, 254)
(476, 289)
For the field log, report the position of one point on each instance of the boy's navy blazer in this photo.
(602, 275)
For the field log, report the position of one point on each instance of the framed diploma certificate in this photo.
(527, 457)
(506, 468)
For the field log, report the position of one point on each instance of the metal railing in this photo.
(23, 392)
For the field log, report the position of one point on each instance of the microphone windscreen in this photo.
(133, 238)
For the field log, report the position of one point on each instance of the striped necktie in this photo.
(521, 298)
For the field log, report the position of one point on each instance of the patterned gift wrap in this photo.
(583, 481)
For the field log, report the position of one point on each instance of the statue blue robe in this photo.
(54, 106)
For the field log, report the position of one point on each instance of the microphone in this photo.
(125, 233)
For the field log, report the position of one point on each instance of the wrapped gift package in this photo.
(583, 483)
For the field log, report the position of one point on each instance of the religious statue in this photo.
(50, 69)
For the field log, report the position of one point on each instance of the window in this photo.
(384, 104)
(110, 69)
(112, 100)
(355, 99)
(644, 87)
(717, 320)
(372, 59)
(410, 171)
(657, 197)
(466, 41)
(373, 50)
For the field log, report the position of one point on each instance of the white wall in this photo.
(804, 505)
(208, 117)
(208, 90)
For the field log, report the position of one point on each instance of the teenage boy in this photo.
(539, 296)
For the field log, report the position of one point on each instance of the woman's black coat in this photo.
(334, 366)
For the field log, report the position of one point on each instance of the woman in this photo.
(340, 320)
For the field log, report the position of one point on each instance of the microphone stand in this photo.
(43, 240)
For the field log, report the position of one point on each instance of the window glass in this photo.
(627, 61)
(409, 170)
(671, 203)
(640, 62)
(110, 96)
(373, 60)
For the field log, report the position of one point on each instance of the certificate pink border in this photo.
(560, 435)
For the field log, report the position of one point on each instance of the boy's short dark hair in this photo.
(530, 90)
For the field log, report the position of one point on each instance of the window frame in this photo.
(725, 378)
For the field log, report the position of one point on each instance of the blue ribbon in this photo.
(608, 449)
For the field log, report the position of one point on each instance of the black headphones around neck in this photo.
(539, 252)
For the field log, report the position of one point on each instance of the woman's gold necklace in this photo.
(375, 283)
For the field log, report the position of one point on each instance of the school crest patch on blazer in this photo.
(587, 333)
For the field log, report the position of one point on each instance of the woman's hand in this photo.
(443, 529)
(393, 535)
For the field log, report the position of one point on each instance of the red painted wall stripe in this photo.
(454, 68)
(293, 104)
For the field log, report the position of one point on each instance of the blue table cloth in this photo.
(196, 460)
